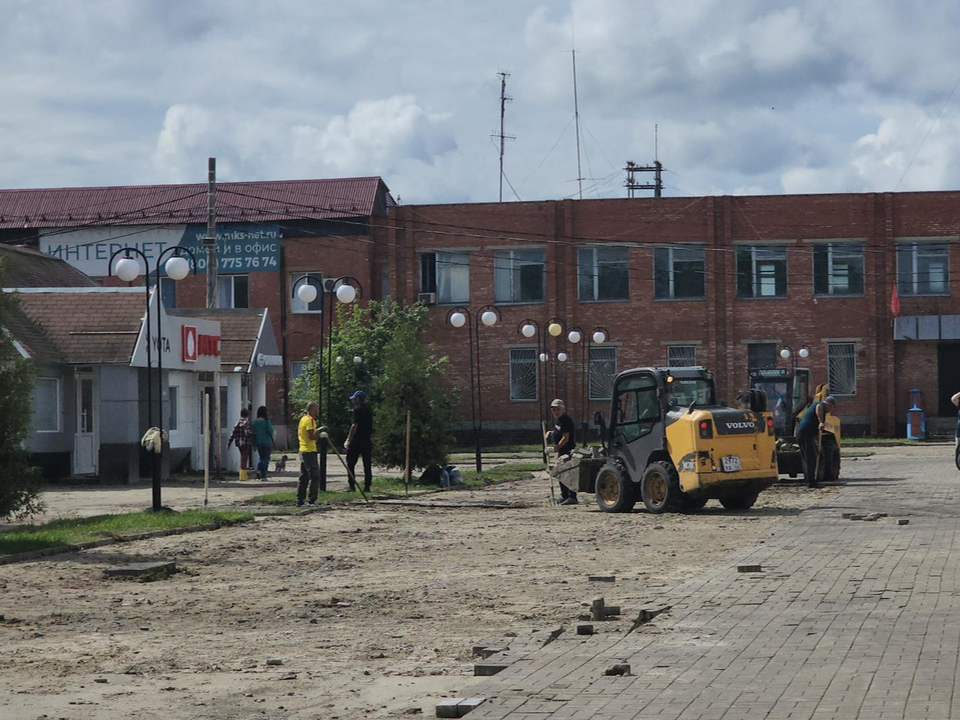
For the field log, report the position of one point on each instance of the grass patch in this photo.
(80, 530)
(393, 486)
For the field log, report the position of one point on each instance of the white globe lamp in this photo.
(785, 353)
(599, 337)
(458, 319)
(803, 352)
(562, 357)
(528, 331)
(307, 293)
(544, 357)
(346, 294)
(574, 336)
(489, 318)
(357, 359)
(177, 268)
(339, 360)
(127, 269)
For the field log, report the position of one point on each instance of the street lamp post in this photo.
(597, 336)
(177, 267)
(787, 353)
(346, 289)
(531, 329)
(489, 316)
(555, 328)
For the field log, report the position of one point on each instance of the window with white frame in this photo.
(761, 272)
(842, 368)
(679, 273)
(174, 408)
(447, 274)
(296, 304)
(523, 374)
(46, 405)
(519, 275)
(838, 269)
(603, 273)
(923, 268)
(681, 355)
(603, 369)
(234, 291)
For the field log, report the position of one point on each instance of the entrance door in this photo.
(948, 368)
(85, 445)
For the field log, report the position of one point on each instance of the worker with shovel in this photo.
(359, 443)
(809, 434)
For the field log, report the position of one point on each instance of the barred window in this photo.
(842, 368)
(523, 375)
(681, 355)
(603, 369)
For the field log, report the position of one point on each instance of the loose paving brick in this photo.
(142, 569)
(854, 620)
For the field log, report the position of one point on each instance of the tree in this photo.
(19, 481)
(395, 371)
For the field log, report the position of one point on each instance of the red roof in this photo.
(153, 204)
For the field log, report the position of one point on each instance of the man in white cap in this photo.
(562, 438)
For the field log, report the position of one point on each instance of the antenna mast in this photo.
(504, 99)
(576, 115)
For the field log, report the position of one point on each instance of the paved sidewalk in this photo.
(849, 619)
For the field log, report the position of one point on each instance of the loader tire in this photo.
(744, 501)
(660, 488)
(958, 458)
(615, 491)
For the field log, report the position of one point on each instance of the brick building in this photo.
(724, 282)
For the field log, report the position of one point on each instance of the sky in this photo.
(748, 96)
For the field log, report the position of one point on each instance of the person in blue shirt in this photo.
(808, 432)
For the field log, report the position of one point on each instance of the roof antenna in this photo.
(576, 112)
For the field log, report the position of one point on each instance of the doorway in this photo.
(86, 445)
(948, 372)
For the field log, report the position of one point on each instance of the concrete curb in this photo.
(62, 549)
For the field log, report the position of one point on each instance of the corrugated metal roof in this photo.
(154, 204)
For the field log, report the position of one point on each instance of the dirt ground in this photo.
(362, 611)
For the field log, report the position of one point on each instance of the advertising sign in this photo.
(241, 247)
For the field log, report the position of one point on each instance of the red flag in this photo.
(895, 302)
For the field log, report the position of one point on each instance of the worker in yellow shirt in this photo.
(309, 466)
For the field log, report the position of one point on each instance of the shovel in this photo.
(350, 475)
(546, 462)
(816, 472)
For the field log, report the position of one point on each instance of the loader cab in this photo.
(788, 393)
(645, 400)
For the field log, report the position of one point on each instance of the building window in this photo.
(603, 273)
(603, 370)
(46, 405)
(523, 374)
(518, 275)
(842, 368)
(234, 291)
(923, 268)
(761, 356)
(838, 269)
(679, 273)
(296, 304)
(681, 355)
(296, 370)
(761, 272)
(447, 274)
(174, 408)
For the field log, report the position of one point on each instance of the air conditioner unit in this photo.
(329, 284)
(427, 298)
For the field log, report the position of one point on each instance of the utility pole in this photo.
(576, 115)
(503, 75)
(213, 298)
(632, 185)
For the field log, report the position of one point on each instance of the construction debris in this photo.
(600, 611)
(584, 629)
(749, 568)
(458, 707)
(618, 669)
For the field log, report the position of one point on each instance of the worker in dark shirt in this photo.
(808, 433)
(563, 444)
(359, 442)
